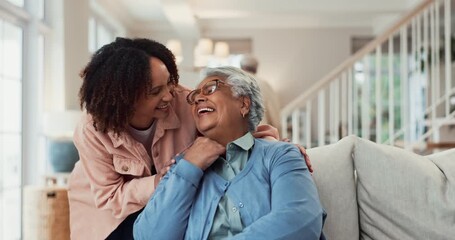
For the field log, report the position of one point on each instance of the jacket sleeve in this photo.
(296, 212)
(112, 191)
(166, 214)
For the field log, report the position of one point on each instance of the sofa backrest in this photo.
(398, 194)
(334, 178)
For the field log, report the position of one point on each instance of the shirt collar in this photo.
(245, 142)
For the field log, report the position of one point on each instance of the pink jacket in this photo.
(113, 177)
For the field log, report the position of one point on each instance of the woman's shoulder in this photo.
(277, 153)
(275, 148)
(274, 145)
(86, 129)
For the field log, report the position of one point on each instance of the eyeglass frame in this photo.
(198, 91)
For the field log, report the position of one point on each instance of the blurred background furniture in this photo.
(46, 210)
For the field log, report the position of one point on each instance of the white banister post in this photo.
(296, 126)
(331, 113)
(404, 86)
(366, 99)
(321, 118)
(336, 119)
(437, 58)
(448, 55)
(426, 67)
(344, 100)
(284, 125)
(350, 116)
(308, 124)
(378, 95)
(412, 82)
(391, 94)
(433, 71)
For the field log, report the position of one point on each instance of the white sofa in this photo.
(373, 191)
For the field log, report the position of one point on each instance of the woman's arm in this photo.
(166, 214)
(296, 212)
(111, 190)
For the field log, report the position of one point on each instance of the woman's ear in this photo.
(245, 108)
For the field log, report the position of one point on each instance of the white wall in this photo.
(293, 59)
(76, 54)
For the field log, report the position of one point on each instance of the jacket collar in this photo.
(170, 122)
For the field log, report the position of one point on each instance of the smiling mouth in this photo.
(163, 106)
(205, 110)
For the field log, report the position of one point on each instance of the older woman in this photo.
(136, 121)
(229, 184)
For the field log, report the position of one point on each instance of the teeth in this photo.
(205, 110)
(162, 107)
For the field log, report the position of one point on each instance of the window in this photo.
(10, 129)
(99, 34)
(15, 61)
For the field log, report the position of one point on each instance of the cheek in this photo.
(147, 104)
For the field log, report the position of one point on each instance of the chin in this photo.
(160, 114)
(204, 130)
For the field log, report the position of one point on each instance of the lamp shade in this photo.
(204, 46)
(60, 124)
(176, 48)
(221, 49)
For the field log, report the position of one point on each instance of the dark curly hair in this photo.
(117, 76)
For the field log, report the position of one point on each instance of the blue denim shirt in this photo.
(274, 193)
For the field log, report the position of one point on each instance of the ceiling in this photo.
(191, 17)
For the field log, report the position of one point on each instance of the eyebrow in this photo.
(160, 86)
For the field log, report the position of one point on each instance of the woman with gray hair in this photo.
(229, 184)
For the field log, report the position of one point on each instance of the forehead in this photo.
(208, 79)
(159, 71)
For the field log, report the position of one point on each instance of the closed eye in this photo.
(154, 91)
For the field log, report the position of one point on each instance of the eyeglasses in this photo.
(208, 89)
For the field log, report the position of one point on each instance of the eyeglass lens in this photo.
(207, 89)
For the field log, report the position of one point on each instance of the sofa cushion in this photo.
(402, 195)
(334, 178)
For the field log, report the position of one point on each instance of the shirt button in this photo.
(125, 168)
(241, 205)
(234, 209)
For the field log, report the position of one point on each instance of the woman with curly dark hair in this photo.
(136, 120)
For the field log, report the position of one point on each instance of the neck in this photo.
(141, 125)
(228, 136)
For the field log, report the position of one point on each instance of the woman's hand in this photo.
(267, 132)
(160, 173)
(204, 152)
(303, 152)
(306, 157)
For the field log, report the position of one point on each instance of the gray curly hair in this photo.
(242, 84)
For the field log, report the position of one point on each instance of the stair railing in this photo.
(396, 90)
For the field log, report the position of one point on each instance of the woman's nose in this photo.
(200, 98)
(169, 95)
